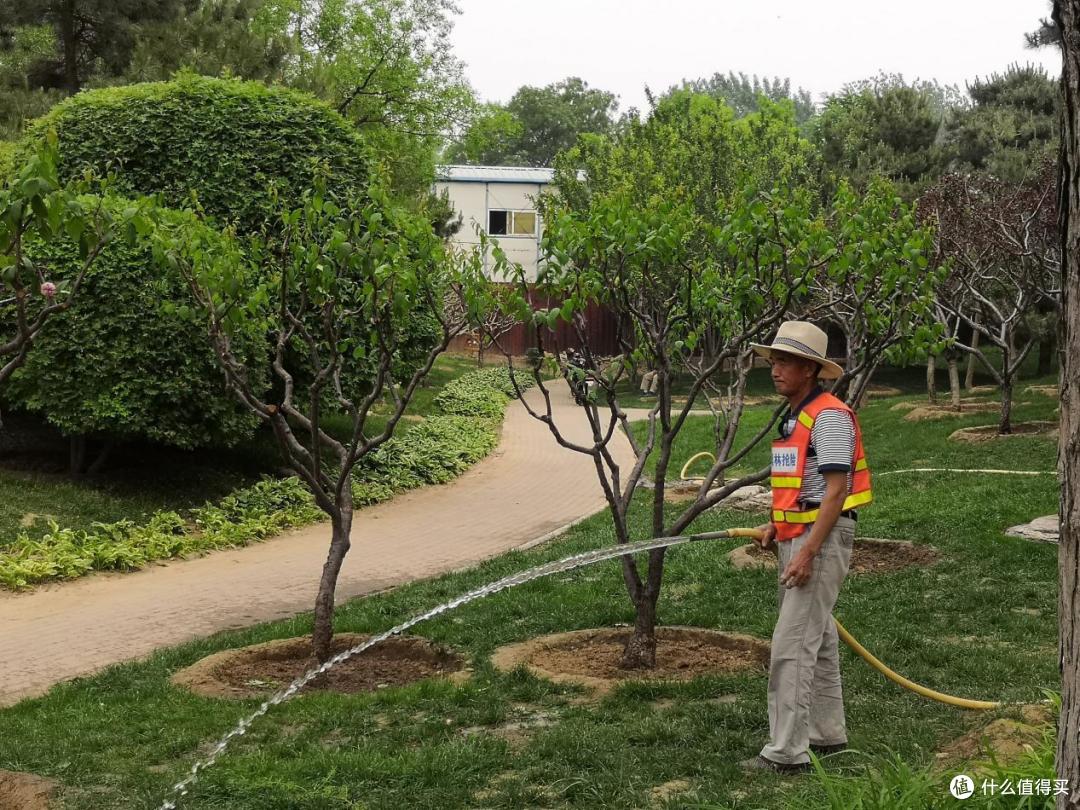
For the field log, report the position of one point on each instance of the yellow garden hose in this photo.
(919, 689)
(865, 654)
(872, 660)
(691, 460)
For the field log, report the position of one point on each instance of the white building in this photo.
(502, 201)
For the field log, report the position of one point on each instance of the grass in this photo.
(121, 738)
(141, 479)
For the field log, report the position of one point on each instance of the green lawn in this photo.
(141, 479)
(965, 626)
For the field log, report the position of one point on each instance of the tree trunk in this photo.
(1067, 16)
(851, 395)
(480, 351)
(1005, 425)
(103, 455)
(70, 44)
(954, 382)
(640, 650)
(969, 377)
(76, 455)
(1046, 356)
(931, 381)
(323, 632)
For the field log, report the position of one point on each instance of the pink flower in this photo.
(48, 289)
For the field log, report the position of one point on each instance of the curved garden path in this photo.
(526, 490)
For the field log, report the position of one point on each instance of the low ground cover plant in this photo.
(433, 451)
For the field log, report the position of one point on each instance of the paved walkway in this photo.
(528, 487)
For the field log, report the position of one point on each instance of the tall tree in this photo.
(349, 274)
(386, 65)
(536, 124)
(743, 93)
(492, 138)
(889, 127)
(90, 35)
(22, 49)
(243, 38)
(1000, 240)
(1010, 128)
(1047, 33)
(1067, 18)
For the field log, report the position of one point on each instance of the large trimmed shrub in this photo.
(245, 152)
(124, 364)
(226, 141)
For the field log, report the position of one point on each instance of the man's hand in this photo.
(768, 535)
(799, 569)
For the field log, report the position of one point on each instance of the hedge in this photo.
(118, 364)
(431, 452)
(225, 141)
(484, 392)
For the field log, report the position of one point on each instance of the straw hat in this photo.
(802, 339)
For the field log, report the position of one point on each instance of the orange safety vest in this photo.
(789, 461)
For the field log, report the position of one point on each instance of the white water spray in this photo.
(181, 788)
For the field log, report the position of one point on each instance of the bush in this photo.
(247, 153)
(226, 141)
(484, 392)
(119, 363)
(433, 452)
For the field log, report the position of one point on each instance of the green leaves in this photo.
(266, 143)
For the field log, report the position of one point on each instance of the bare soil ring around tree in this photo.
(869, 556)
(1045, 390)
(989, 433)
(25, 791)
(883, 392)
(931, 413)
(591, 657)
(262, 669)
(1007, 739)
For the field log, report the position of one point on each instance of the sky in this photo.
(624, 45)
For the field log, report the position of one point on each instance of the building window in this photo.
(524, 223)
(511, 223)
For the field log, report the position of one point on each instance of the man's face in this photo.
(791, 374)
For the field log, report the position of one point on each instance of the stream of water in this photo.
(181, 788)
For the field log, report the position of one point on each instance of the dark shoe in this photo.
(760, 763)
(825, 750)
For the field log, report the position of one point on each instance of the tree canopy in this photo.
(535, 125)
(235, 147)
(89, 36)
(385, 65)
(887, 127)
(1010, 128)
(691, 149)
(743, 93)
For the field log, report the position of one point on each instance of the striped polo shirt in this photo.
(832, 447)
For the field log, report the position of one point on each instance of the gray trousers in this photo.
(806, 700)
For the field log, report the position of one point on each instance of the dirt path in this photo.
(528, 488)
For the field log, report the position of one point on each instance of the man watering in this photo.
(819, 479)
